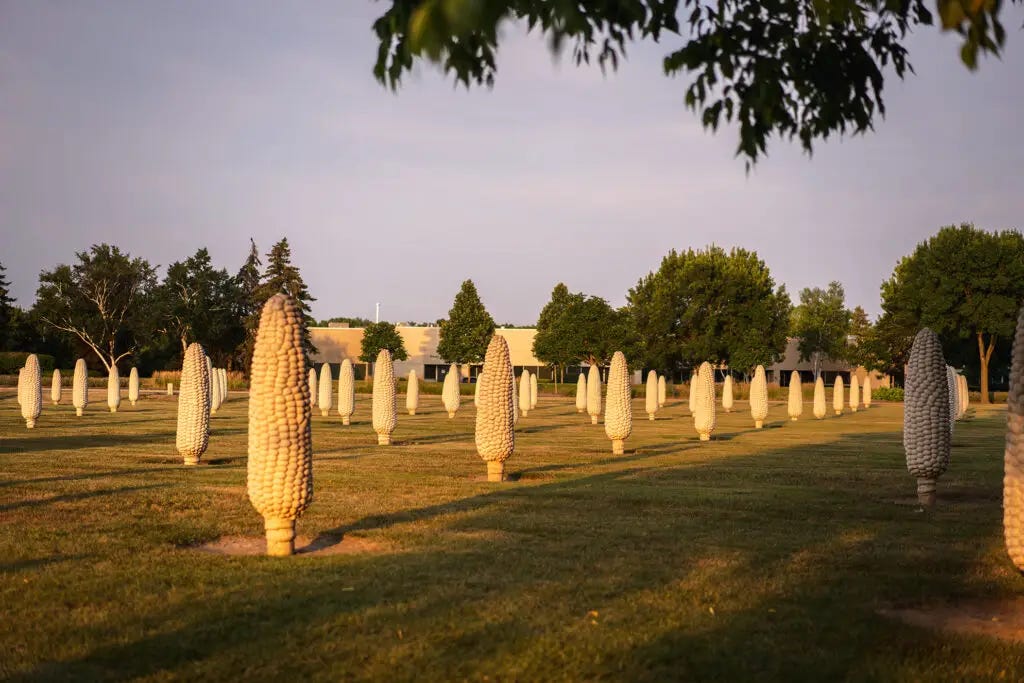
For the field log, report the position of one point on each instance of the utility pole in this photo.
(377, 320)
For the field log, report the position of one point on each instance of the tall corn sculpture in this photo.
(854, 393)
(965, 395)
(515, 402)
(80, 387)
(346, 392)
(662, 391)
(215, 390)
(865, 392)
(31, 397)
(325, 388)
(796, 396)
(450, 394)
(651, 395)
(280, 467)
(524, 393)
(133, 386)
(581, 393)
(954, 400)
(476, 391)
(113, 389)
(1013, 455)
(533, 391)
(926, 437)
(759, 397)
(170, 388)
(194, 406)
(618, 411)
(495, 417)
(704, 402)
(819, 398)
(385, 414)
(727, 394)
(691, 404)
(314, 390)
(594, 393)
(837, 395)
(412, 393)
(55, 387)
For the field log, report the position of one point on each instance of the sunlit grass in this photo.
(762, 554)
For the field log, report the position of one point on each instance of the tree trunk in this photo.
(984, 355)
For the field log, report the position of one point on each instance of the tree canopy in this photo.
(281, 276)
(103, 300)
(199, 303)
(382, 335)
(821, 323)
(576, 328)
(6, 308)
(709, 306)
(467, 330)
(963, 283)
(803, 69)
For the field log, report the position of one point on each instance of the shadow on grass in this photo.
(84, 495)
(85, 476)
(691, 580)
(81, 441)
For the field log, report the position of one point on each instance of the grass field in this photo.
(764, 554)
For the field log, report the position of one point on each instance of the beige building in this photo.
(338, 342)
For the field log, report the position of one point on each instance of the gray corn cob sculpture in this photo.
(926, 437)
(1013, 455)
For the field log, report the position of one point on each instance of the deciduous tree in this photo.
(821, 323)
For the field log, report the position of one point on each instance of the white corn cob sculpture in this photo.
(727, 393)
(55, 387)
(594, 393)
(223, 385)
(280, 468)
(926, 437)
(450, 394)
(113, 389)
(865, 392)
(515, 402)
(524, 393)
(346, 391)
(533, 391)
(215, 388)
(209, 373)
(385, 413)
(314, 393)
(796, 396)
(662, 391)
(692, 402)
(495, 416)
(759, 397)
(954, 400)
(325, 385)
(965, 395)
(819, 398)
(618, 410)
(21, 386)
(80, 387)
(1013, 455)
(581, 393)
(133, 386)
(651, 395)
(476, 390)
(412, 392)
(170, 388)
(193, 406)
(837, 396)
(704, 402)
(854, 393)
(31, 397)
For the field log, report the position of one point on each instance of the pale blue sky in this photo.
(163, 127)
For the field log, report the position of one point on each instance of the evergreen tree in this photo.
(281, 276)
(468, 329)
(248, 285)
(6, 308)
(551, 345)
(377, 336)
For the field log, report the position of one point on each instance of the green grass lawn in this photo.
(764, 554)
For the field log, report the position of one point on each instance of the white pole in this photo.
(378, 312)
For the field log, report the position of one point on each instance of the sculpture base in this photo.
(705, 437)
(324, 413)
(412, 411)
(593, 419)
(346, 420)
(280, 537)
(383, 439)
(650, 416)
(495, 470)
(926, 492)
(853, 409)
(839, 412)
(133, 403)
(451, 414)
(793, 419)
(113, 409)
(758, 424)
(618, 447)
(78, 412)
(30, 424)
(191, 459)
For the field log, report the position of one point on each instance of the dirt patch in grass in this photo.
(1003, 619)
(304, 546)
